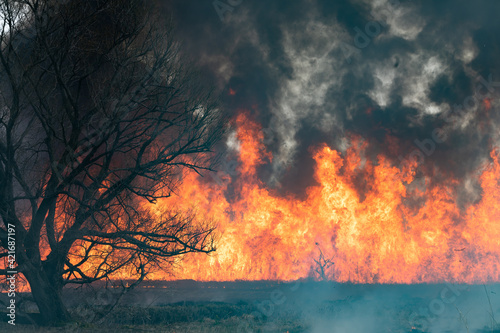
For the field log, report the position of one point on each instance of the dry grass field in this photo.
(317, 307)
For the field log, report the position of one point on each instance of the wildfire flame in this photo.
(377, 238)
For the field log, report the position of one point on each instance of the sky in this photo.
(415, 79)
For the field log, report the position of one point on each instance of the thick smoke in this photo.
(394, 71)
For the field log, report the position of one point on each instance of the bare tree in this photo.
(322, 264)
(98, 116)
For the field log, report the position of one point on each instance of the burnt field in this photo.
(263, 306)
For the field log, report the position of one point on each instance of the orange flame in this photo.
(487, 103)
(401, 230)
(379, 238)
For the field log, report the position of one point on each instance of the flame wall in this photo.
(381, 236)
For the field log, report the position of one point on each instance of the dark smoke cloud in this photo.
(316, 71)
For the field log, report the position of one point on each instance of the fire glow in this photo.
(377, 238)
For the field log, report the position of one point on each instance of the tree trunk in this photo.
(47, 294)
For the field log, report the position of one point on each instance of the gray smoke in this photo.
(315, 71)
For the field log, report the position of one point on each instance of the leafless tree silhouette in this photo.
(98, 116)
(322, 264)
